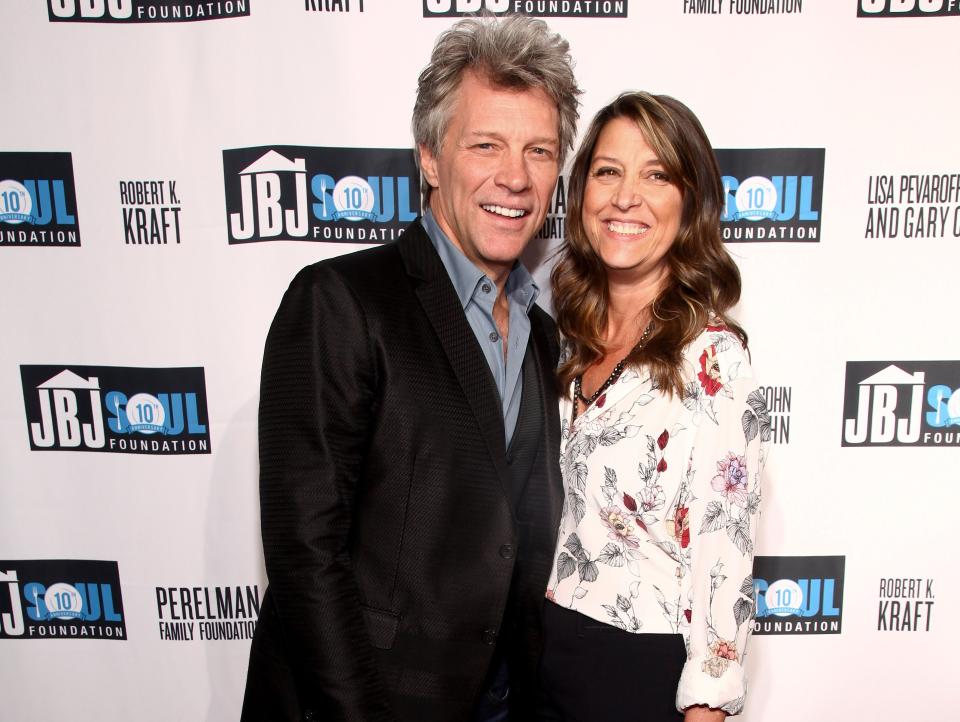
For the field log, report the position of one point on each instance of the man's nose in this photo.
(513, 173)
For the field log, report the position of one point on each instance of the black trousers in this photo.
(593, 671)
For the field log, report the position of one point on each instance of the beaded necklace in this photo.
(611, 379)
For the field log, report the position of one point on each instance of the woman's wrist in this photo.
(702, 713)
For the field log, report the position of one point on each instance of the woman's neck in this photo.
(628, 312)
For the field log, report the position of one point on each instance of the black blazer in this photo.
(389, 537)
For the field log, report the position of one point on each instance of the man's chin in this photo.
(505, 254)
(519, 232)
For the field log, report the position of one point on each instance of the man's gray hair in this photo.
(511, 52)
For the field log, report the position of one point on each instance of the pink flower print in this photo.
(721, 654)
(725, 649)
(651, 497)
(618, 522)
(731, 481)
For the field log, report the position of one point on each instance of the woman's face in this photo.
(631, 209)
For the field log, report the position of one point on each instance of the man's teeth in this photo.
(508, 212)
(627, 229)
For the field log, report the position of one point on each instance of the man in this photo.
(409, 483)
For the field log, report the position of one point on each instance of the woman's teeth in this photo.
(627, 229)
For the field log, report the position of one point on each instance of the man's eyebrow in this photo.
(545, 140)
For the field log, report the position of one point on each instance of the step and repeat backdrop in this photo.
(166, 166)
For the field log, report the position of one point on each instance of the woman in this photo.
(651, 596)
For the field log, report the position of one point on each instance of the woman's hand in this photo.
(703, 714)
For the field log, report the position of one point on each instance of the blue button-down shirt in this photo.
(477, 294)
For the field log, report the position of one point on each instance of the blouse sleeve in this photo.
(729, 449)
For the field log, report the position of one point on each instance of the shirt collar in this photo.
(466, 277)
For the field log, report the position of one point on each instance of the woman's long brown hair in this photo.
(703, 281)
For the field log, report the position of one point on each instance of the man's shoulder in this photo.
(354, 265)
(380, 268)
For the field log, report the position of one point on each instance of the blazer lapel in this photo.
(442, 307)
(546, 356)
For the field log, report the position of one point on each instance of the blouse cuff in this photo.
(712, 681)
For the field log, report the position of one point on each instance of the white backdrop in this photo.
(141, 101)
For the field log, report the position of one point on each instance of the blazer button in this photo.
(310, 716)
(507, 551)
(489, 636)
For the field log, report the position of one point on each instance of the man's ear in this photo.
(428, 165)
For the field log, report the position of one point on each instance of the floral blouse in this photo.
(661, 511)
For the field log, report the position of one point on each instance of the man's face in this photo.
(495, 172)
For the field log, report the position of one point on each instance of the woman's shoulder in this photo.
(724, 338)
(717, 353)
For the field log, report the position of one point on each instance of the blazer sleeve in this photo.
(317, 397)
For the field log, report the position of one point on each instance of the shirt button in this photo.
(485, 288)
(494, 336)
(489, 636)
(506, 551)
